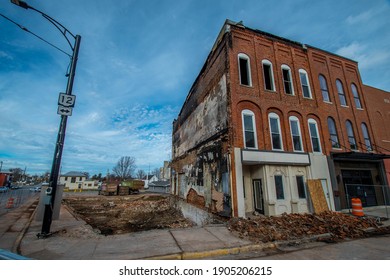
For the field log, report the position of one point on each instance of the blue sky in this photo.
(137, 62)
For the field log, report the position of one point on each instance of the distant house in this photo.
(90, 185)
(159, 186)
(73, 180)
(149, 179)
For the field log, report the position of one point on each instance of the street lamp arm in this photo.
(64, 31)
(55, 169)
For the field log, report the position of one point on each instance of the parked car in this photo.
(15, 187)
(3, 189)
(36, 189)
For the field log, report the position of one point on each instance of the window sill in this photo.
(344, 106)
(328, 102)
(308, 98)
(360, 109)
(251, 148)
(247, 86)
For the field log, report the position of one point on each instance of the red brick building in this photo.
(378, 102)
(265, 115)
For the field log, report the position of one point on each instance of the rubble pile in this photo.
(296, 226)
(115, 215)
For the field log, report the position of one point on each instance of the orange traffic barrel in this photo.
(10, 203)
(357, 208)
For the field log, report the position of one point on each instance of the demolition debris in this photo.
(297, 226)
(110, 215)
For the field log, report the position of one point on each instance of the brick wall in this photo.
(258, 47)
(379, 103)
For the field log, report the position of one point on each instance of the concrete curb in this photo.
(241, 249)
(215, 252)
(19, 238)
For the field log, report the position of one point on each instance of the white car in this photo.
(36, 189)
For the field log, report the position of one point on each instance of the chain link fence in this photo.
(375, 198)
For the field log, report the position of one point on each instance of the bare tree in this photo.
(156, 172)
(141, 174)
(125, 167)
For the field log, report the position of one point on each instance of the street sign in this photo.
(66, 100)
(64, 111)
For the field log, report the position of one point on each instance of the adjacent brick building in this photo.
(378, 102)
(264, 115)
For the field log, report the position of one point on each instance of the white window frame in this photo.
(269, 63)
(351, 134)
(302, 71)
(326, 89)
(248, 66)
(251, 114)
(335, 145)
(286, 67)
(275, 116)
(313, 121)
(295, 119)
(356, 96)
(366, 137)
(341, 93)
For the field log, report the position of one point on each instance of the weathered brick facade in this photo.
(268, 84)
(378, 102)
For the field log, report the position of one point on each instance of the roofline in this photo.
(226, 29)
(298, 44)
(385, 91)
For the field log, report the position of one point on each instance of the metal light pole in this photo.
(47, 217)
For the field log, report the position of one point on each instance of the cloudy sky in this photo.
(137, 62)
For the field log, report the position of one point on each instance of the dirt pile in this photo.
(115, 215)
(297, 226)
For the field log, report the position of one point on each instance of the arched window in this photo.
(287, 80)
(244, 69)
(314, 136)
(305, 83)
(276, 136)
(340, 91)
(296, 134)
(356, 97)
(334, 139)
(324, 88)
(249, 129)
(366, 136)
(269, 82)
(351, 136)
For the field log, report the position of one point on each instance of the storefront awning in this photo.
(356, 156)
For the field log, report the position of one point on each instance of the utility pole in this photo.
(64, 109)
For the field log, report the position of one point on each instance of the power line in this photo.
(32, 33)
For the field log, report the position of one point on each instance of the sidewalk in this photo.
(73, 239)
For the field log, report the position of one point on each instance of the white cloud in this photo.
(364, 17)
(367, 57)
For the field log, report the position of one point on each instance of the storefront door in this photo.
(358, 183)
